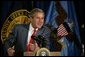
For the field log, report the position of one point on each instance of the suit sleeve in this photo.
(11, 39)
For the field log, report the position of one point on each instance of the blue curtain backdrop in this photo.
(7, 7)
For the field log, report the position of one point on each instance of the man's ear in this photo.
(31, 19)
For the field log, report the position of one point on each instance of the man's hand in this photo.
(34, 47)
(37, 48)
(11, 51)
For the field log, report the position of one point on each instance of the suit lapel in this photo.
(40, 31)
(25, 34)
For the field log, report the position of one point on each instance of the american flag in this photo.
(62, 31)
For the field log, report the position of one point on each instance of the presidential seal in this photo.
(17, 17)
(43, 52)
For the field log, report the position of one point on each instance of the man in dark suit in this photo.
(21, 34)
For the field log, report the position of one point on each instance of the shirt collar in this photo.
(31, 28)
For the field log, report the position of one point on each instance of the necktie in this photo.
(31, 42)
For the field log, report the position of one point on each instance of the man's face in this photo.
(37, 20)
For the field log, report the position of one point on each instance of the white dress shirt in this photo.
(30, 32)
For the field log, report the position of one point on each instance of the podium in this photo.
(33, 54)
(42, 52)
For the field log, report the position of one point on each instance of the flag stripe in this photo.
(62, 30)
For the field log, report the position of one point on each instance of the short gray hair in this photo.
(35, 10)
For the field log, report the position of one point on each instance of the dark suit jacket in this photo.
(18, 37)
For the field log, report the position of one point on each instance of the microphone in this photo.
(41, 41)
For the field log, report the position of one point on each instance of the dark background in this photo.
(79, 8)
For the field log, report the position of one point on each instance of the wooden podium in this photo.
(42, 52)
(33, 54)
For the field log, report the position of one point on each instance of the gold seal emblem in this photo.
(17, 17)
(43, 52)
